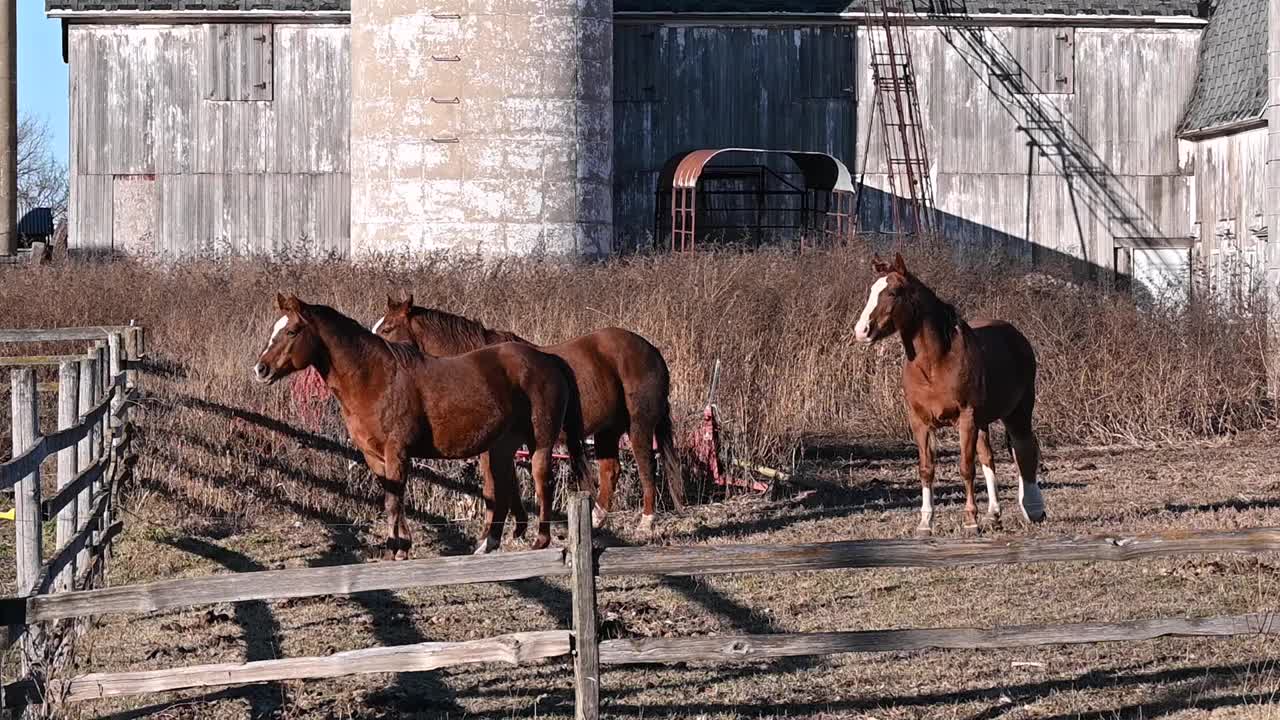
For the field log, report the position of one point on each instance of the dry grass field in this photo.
(1152, 420)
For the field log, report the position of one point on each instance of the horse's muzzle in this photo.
(262, 373)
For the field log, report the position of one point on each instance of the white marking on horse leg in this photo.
(377, 324)
(281, 324)
(926, 510)
(486, 546)
(598, 516)
(993, 502)
(1031, 500)
(862, 330)
(646, 524)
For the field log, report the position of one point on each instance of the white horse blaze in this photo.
(281, 324)
(861, 330)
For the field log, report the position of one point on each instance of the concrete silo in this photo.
(482, 125)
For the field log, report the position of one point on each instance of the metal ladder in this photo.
(898, 106)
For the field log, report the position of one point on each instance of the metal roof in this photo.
(37, 221)
(821, 171)
(1192, 8)
(1231, 79)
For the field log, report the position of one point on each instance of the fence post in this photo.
(116, 348)
(68, 416)
(26, 432)
(131, 340)
(84, 454)
(586, 641)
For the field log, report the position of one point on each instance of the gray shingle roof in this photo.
(1193, 8)
(277, 5)
(1231, 80)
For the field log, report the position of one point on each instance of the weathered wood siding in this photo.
(681, 87)
(1228, 214)
(1122, 89)
(174, 154)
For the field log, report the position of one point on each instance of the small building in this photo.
(36, 225)
(392, 128)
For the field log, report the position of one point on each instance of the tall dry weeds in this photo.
(781, 325)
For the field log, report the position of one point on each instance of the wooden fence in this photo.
(92, 446)
(583, 565)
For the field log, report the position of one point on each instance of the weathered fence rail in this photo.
(92, 444)
(583, 566)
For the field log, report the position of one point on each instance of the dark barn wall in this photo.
(683, 88)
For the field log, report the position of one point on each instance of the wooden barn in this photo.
(1126, 135)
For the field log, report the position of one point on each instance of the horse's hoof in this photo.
(646, 525)
(971, 529)
(993, 519)
(542, 542)
(388, 554)
(1035, 519)
(598, 516)
(486, 546)
(924, 532)
(402, 555)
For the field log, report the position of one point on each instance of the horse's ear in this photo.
(408, 300)
(878, 265)
(391, 302)
(899, 264)
(288, 304)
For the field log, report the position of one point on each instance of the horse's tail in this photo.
(664, 434)
(573, 437)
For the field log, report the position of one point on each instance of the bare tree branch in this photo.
(42, 179)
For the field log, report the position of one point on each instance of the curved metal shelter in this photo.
(825, 194)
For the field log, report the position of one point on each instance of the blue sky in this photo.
(42, 76)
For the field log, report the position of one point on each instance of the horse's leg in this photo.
(609, 467)
(399, 539)
(642, 445)
(968, 448)
(495, 506)
(924, 445)
(541, 462)
(1026, 454)
(987, 460)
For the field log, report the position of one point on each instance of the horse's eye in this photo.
(291, 332)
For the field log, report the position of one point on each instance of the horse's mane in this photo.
(931, 308)
(462, 334)
(401, 353)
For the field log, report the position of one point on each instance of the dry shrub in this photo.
(781, 324)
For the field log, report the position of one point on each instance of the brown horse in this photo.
(962, 374)
(400, 403)
(622, 382)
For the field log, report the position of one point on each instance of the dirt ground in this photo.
(863, 494)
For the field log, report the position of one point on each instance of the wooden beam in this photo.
(30, 360)
(59, 334)
(13, 471)
(855, 19)
(513, 649)
(586, 640)
(751, 648)
(65, 555)
(721, 559)
(67, 494)
(280, 584)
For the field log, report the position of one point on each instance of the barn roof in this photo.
(1231, 78)
(1001, 7)
(205, 5)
